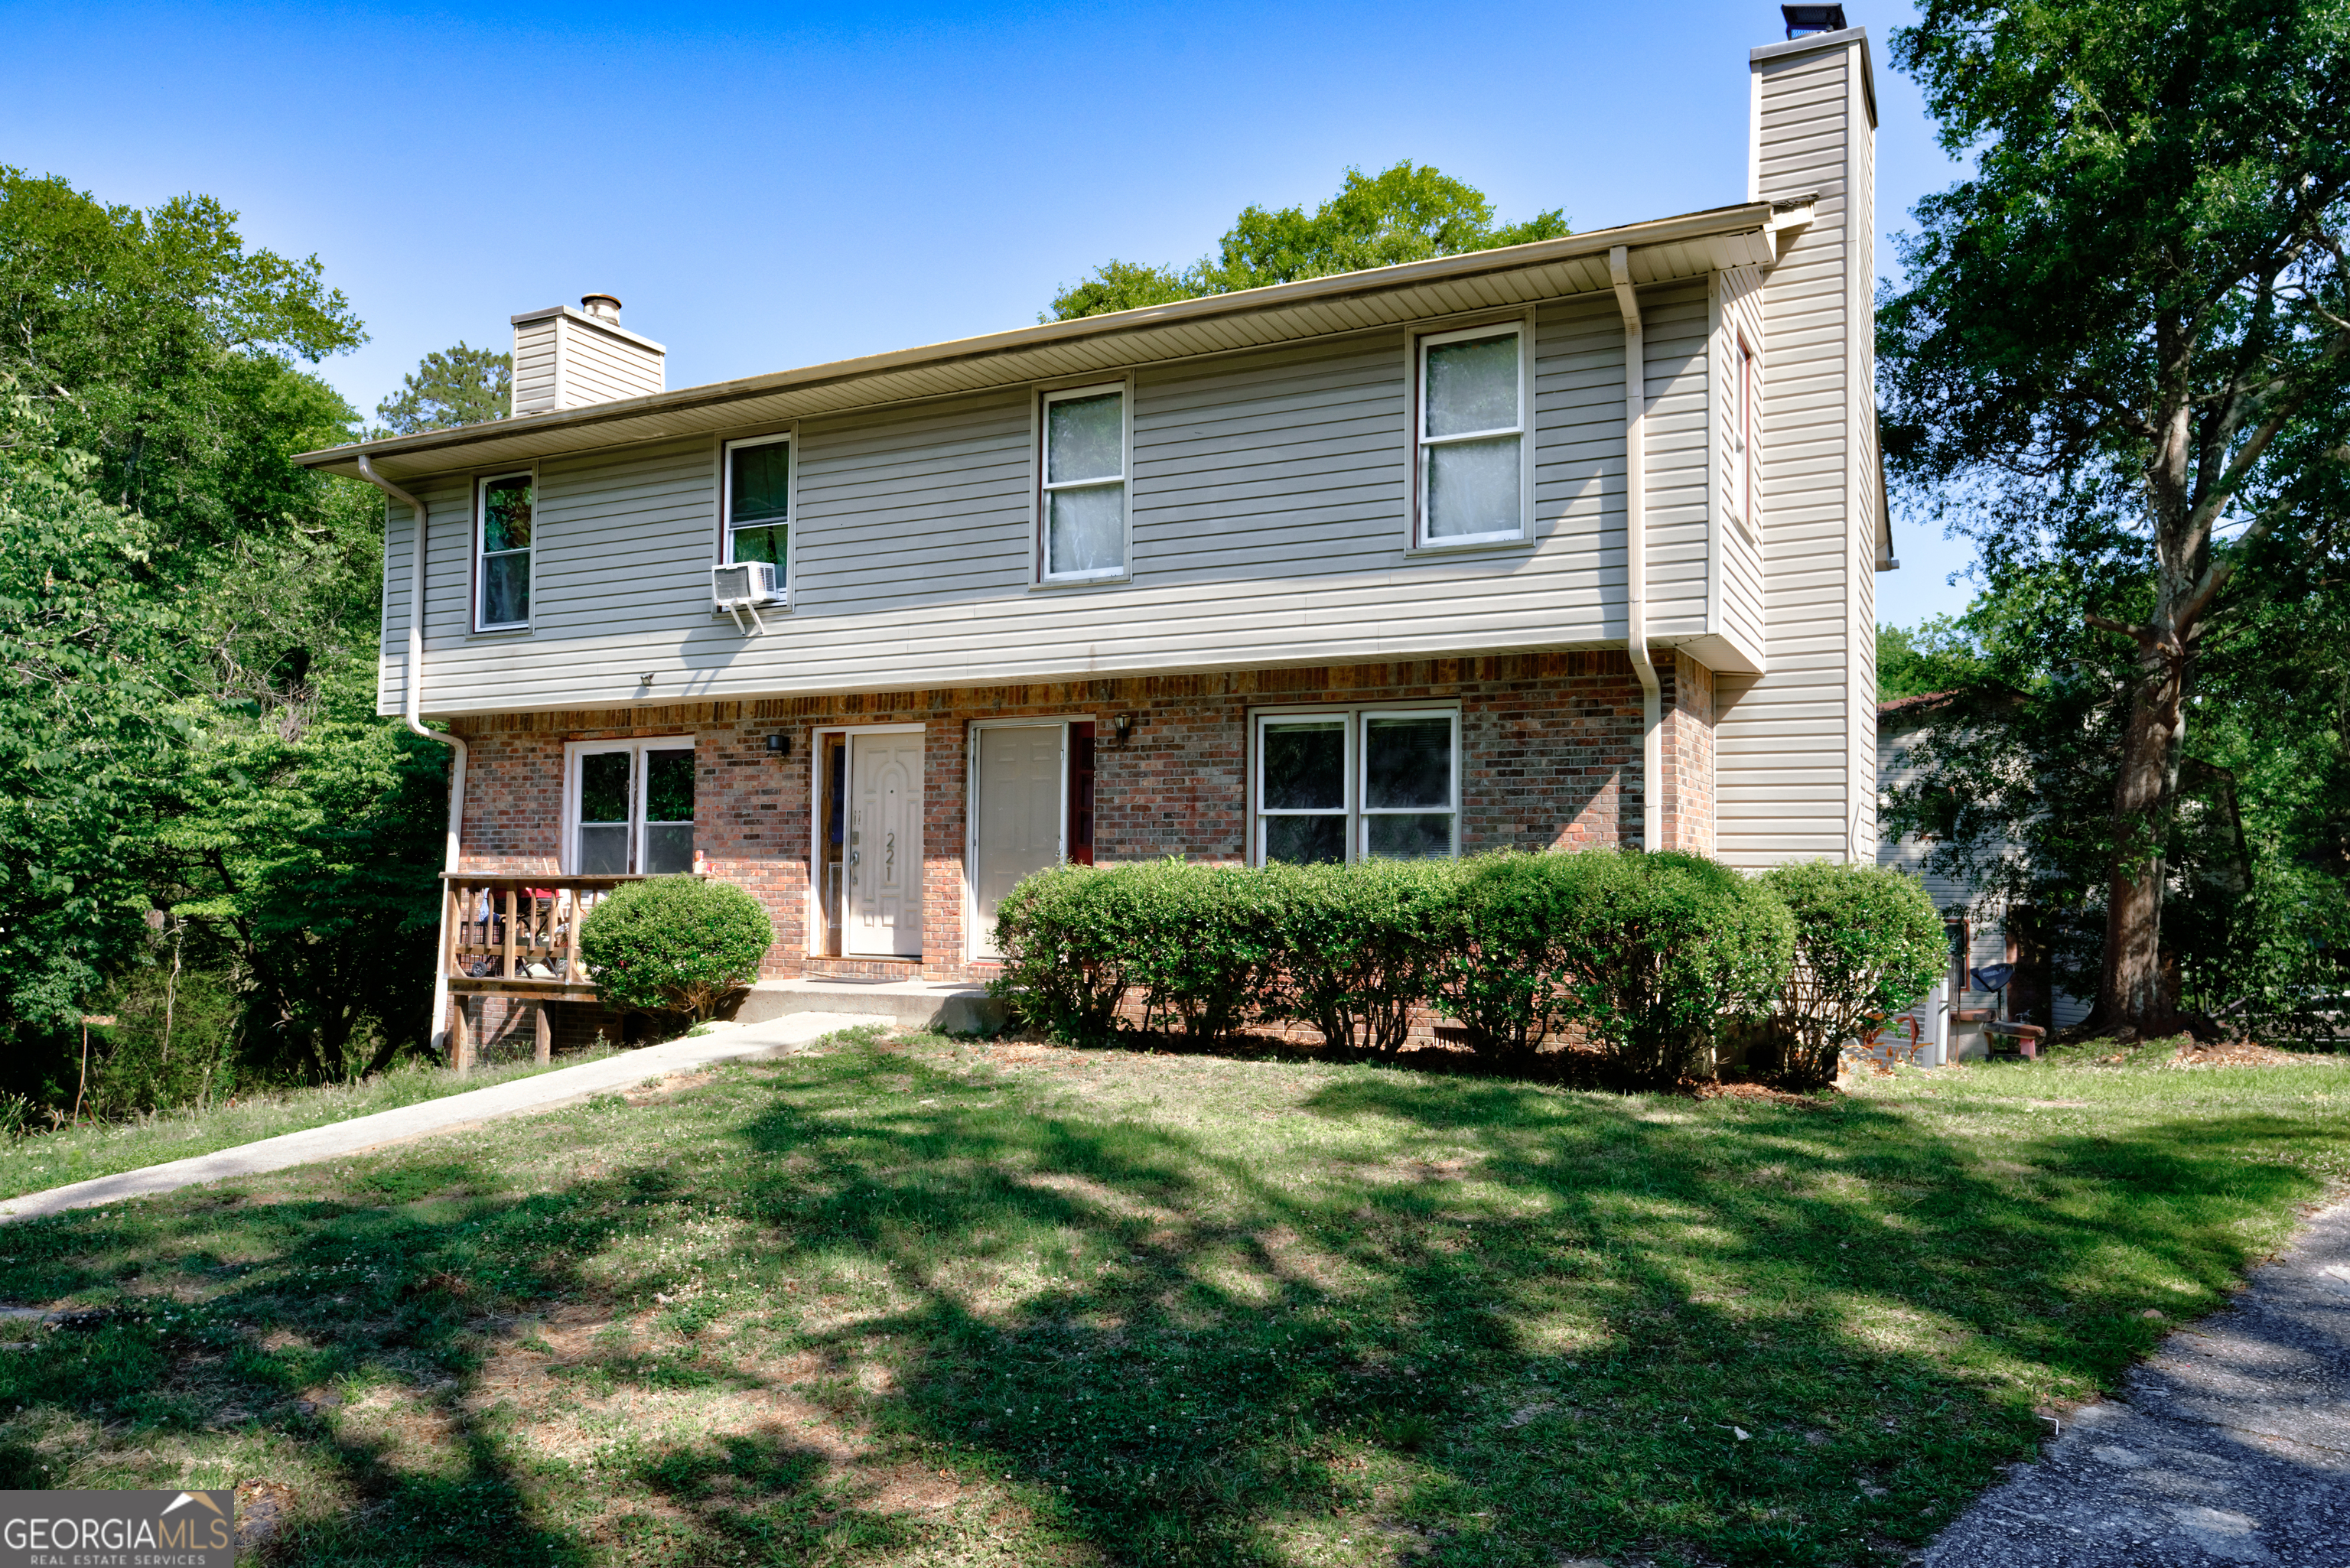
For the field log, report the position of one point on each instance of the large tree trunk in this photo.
(2133, 993)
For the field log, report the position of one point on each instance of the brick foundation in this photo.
(1549, 743)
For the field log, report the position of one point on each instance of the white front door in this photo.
(884, 852)
(1018, 791)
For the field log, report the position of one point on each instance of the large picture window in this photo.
(759, 502)
(1082, 503)
(631, 808)
(503, 540)
(1353, 784)
(1472, 439)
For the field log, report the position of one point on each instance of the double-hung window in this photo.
(1473, 474)
(502, 542)
(1354, 784)
(1082, 503)
(631, 808)
(759, 502)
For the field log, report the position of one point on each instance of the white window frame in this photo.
(791, 518)
(575, 752)
(1357, 813)
(1743, 363)
(1421, 342)
(1040, 576)
(482, 482)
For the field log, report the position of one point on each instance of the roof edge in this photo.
(1702, 223)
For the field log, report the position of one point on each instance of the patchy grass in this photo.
(37, 1163)
(928, 1303)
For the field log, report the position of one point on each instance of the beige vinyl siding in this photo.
(1739, 606)
(1675, 376)
(1860, 249)
(1788, 785)
(1268, 495)
(600, 368)
(534, 366)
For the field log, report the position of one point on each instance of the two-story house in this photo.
(1561, 545)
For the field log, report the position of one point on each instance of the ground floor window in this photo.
(1353, 784)
(631, 807)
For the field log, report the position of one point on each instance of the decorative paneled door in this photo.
(885, 844)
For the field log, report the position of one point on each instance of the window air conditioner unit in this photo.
(740, 585)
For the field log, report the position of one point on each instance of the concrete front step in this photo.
(952, 1007)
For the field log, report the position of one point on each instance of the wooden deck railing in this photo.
(521, 933)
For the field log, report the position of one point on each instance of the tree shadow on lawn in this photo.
(1454, 1321)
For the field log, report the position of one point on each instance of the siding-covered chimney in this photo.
(566, 357)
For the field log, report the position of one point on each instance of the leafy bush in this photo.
(1066, 934)
(677, 944)
(1502, 971)
(1869, 943)
(1359, 945)
(1202, 944)
(1663, 951)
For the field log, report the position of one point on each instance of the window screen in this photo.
(634, 809)
(1085, 485)
(1472, 427)
(1357, 784)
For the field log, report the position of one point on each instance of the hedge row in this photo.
(1653, 958)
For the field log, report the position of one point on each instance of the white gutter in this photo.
(412, 711)
(1635, 550)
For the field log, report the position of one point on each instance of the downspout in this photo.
(412, 711)
(1636, 551)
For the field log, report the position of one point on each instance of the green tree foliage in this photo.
(190, 770)
(460, 386)
(2121, 359)
(1918, 662)
(1405, 214)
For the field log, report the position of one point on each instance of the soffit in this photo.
(1666, 250)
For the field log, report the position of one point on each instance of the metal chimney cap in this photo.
(1804, 21)
(602, 306)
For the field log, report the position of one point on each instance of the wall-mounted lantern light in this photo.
(1122, 724)
(779, 744)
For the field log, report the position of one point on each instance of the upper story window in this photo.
(1357, 784)
(1083, 501)
(1473, 474)
(758, 506)
(501, 572)
(1741, 435)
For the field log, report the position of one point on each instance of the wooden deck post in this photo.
(509, 969)
(545, 1031)
(460, 1035)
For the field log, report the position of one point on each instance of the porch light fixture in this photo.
(779, 744)
(1804, 21)
(1124, 724)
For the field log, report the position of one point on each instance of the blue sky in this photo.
(779, 185)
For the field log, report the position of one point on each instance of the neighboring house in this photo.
(1566, 544)
(1982, 933)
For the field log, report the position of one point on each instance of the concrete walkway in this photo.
(542, 1092)
(2231, 1446)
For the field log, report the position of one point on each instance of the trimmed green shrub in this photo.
(1202, 945)
(1868, 944)
(675, 944)
(1358, 946)
(1067, 936)
(1663, 952)
(1502, 968)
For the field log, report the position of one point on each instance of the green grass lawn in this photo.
(924, 1303)
(103, 1149)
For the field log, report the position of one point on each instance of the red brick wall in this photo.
(1549, 743)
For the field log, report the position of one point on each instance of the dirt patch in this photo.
(2234, 1053)
(1762, 1092)
(675, 1084)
